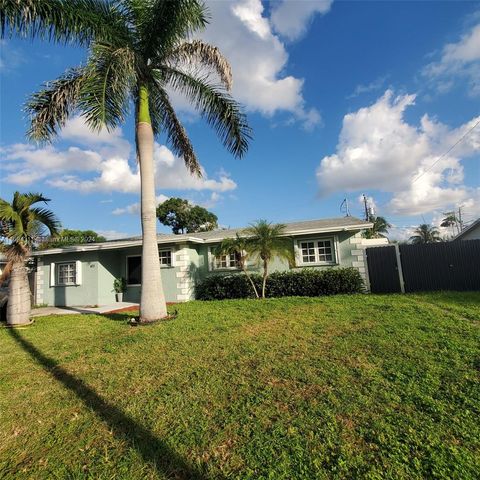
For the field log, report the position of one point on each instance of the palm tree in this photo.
(451, 220)
(241, 248)
(425, 234)
(22, 222)
(267, 241)
(138, 53)
(379, 229)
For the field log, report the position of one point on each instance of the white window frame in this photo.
(55, 280)
(212, 262)
(299, 256)
(126, 271)
(172, 257)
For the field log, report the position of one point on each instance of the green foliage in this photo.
(22, 222)
(379, 229)
(425, 233)
(342, 387)
(306, 283)
(267, 240)
(69, 237)
(119, 285)
(134, 46)
(183, 217)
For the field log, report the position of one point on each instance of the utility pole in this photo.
(460, 221)
(367, 216)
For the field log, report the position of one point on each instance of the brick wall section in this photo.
(360, 260)
(39, 283)
(185, 287)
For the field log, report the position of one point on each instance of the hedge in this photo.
(305, 283)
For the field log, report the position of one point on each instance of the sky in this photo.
(344, 98)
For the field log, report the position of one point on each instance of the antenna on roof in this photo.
(344, 207)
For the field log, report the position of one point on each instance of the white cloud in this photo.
(378, 149)
(458, 60)
(373, 86)
(10, 57)
(134, 208)
(258, 59)
(29, 164)
(108, 143)
(290, 18)
(106, 169)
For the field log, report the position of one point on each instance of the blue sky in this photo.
(344, 98)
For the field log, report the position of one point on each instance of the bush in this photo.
(306, 283)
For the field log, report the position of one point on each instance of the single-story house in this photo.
(83, 275)
(470, 233)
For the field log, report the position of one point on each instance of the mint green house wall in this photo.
(71, 295)
(191, 263)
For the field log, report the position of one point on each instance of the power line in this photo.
(465, 135)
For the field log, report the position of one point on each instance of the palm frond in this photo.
(198, 52)
(21, 222)
(110, 77)
(163, 24)
(68, 21)
(50, 108)
(163, 116)
(215, 105)
(47, 218)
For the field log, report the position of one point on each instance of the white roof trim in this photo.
(134, 243)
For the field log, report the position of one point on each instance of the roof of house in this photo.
(474, 225)
(295, 228)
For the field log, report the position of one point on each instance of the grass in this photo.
(377, 387)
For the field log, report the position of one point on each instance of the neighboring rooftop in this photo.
(469, 229)
(307, 226)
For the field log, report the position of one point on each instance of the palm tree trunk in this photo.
(265, 275)
(152, 299)
(244, 268)
(19, 303)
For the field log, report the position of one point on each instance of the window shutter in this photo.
(52, 274)
(78, 272)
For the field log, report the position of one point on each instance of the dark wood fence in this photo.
(416, 268)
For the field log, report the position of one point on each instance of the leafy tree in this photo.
(22, 222)
(425, 233)
(451, 220)
(266, 241)
(379, 229)
(68, 237)
(183, 217)
(137, 55)
(241, 248)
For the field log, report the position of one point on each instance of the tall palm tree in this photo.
(267, 241)
(379, 229)
(425, 233)
(22, 222)
(241, 248)
(139, 51)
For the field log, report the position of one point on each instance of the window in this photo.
(165, 258)
(67, 273)
(229, 261)
(134, 270)
(313, 252)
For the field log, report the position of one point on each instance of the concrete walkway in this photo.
(114, 307)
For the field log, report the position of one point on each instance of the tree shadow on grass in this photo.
(152, 449)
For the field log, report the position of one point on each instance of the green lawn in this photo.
(342, 387)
